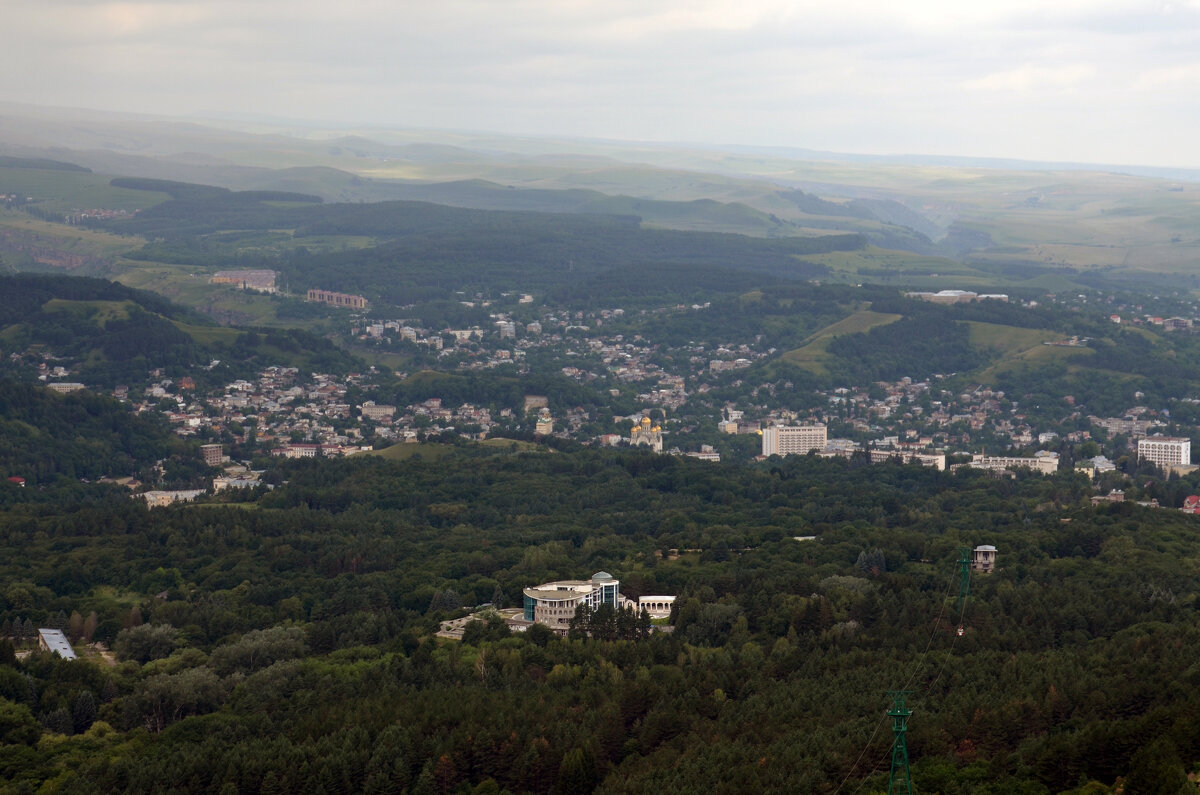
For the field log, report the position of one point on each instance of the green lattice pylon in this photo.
(964, 577)
(899, 779)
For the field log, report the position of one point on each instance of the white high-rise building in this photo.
(792, 439)
(1166, 451)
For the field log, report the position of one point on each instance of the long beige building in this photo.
(1044, 462)
(792, 439)
(337, 299)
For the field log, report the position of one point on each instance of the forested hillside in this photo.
(288, 647)
(78, 435)
(108, 334)
(422, 251)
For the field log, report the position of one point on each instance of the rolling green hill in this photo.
(424, 251)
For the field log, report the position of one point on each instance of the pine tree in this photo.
(83, 711)
(645, 626)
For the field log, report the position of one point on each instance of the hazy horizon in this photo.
(1095, 82)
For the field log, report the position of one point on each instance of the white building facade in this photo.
(1044, 462)
(1165, 451)
(792, 439)
(553, 604)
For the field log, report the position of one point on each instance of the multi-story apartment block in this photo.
(1043, 461)
(792, 439)
(373, 411)
(337, 299)
(212, 454)
(1165, 451)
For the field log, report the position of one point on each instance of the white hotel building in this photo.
(792, 439)
(1165, 451)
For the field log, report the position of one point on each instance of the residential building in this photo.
(983, 559)
(935, 460)
(1165, 451)
(158, 499)
(212, 454)
(792, 439)
(260, 280)
(1043, 462)
(337, 299)
(376, 411)
(706, 453)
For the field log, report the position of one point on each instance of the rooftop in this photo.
(54, 640)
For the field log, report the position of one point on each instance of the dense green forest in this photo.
(285, 641)
(287, 645)
(920, 345)
(48, 437)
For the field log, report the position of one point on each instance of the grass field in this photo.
(207, 335)
(74, 191)
(403, 452)
(1018, 347)
(812, 354)
(61, 237)
(918, 271)
(191, 287)
(103, 310)
(514, 446)
(434, 451)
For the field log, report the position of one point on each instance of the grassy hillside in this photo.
(434, 451)
(813, 355)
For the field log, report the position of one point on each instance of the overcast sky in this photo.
(1104, 81)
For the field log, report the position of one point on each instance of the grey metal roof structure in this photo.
(54, 640)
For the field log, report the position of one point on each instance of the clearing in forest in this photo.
(1016, 346)
(811, 355)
